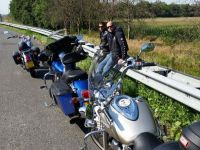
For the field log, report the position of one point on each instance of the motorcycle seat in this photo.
(75, 74)
(146, 141)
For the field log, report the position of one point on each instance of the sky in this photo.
(4, 4)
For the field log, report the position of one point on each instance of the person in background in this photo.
(103, 39)
(118, 48)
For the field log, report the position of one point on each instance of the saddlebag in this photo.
(17, 58)
(63, 96)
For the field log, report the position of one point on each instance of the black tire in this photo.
(32, 72)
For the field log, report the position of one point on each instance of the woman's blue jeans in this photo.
(105, 65)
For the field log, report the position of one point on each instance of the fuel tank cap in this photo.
(126, 106)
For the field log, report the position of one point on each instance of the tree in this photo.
(21, 10)
(40, 13)
(126, 10)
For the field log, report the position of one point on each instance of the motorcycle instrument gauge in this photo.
(124, 102)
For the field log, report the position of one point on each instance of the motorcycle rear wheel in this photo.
(32, 72)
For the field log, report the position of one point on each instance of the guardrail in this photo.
(179, 86)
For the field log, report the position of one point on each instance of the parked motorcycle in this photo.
(114, 118)
(69, 81)
(27, 54)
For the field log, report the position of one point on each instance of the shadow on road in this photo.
(80, 122)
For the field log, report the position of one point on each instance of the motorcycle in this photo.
(27, 54)
(69, 82)
(116, 119)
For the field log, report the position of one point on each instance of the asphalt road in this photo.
(25, 122)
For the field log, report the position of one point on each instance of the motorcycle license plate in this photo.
(29, 64)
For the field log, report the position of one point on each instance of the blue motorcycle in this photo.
(69, 82)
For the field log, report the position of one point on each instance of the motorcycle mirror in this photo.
(79, 37)
(147, 47)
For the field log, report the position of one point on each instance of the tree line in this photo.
(85, 14)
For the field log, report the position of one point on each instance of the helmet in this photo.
(22, 46)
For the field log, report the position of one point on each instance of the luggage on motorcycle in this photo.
(17, 58)
(65, 44)
(74, 74)
(63, 95)
(190, 138)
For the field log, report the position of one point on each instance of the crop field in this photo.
(172, 21)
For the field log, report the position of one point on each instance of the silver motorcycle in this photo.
(116, 119)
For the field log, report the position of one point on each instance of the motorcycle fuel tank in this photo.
(131, 117)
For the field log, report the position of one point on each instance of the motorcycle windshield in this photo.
(92, 73)
(94, 79)
(98, 83)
